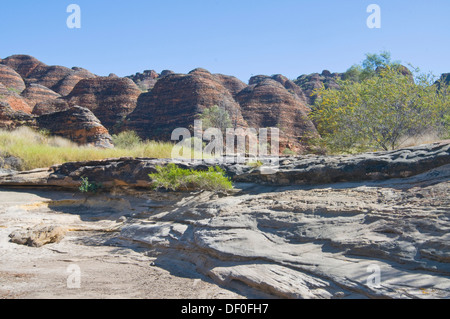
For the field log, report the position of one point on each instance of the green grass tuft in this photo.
(174, 178)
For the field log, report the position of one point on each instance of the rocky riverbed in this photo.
(374, 226)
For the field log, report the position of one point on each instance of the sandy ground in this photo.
(86, 263)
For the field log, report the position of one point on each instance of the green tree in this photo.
(216, 117)
(378, 112)
(370, 66)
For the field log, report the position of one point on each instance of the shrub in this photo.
(377, 113)
(216, 117)
(174, 178)
(126, 140)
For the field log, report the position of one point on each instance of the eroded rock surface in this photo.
(374, 225)
(267, 103)
(314, 243)
(177, 100)
(11, 79)
(36, 93)
(317, 242)
(300, 170)
(111, 99)
(77, 124)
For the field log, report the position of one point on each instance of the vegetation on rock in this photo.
(174, 178)
(88, 187)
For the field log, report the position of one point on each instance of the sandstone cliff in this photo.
(177, 100)
(267, 103)
(14, 100)
(111, 99)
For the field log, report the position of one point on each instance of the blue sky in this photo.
(240, 38)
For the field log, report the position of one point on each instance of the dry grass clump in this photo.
(38, 149)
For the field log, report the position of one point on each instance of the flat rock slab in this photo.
(108, 268)
(326, 242)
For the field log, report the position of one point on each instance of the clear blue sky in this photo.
(234, 37)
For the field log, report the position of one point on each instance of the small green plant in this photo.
(13, 90)
(88, 187)
(288, 151)
(257, 163)
(174, 178)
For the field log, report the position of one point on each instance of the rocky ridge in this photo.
(154, 104)
(304, 170)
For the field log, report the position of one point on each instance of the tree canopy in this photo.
(381, 110)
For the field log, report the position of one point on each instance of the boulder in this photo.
(50, 106)
(11, 79)
(9, 162)
(11, 118)
(146, 80)
(38, 236)
(78, 124)
(14, 100)
(166, 72)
